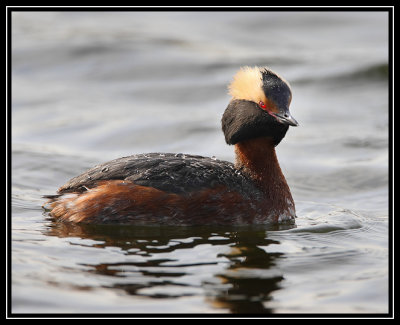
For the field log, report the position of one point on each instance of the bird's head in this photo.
(259, 106)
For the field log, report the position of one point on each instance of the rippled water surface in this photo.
(88, 87)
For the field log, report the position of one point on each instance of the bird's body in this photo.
(179, 189)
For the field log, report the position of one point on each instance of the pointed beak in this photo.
(286, 118)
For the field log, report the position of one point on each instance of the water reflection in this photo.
(228, 266)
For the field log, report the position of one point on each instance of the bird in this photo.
(185, 189)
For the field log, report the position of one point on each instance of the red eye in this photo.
(262, 105)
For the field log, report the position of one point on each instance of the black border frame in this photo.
(11, 9)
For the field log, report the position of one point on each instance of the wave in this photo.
(378, 71)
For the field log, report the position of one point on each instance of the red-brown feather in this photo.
(118, 201)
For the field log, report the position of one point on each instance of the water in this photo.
(88, 87)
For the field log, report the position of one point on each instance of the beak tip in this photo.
(286, 119)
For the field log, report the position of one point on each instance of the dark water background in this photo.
(88, 87)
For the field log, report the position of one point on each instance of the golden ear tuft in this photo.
(247, 84)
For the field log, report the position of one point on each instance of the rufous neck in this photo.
(257, 158)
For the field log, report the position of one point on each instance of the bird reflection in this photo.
(243, 285)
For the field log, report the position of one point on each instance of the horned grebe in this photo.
(178, 189)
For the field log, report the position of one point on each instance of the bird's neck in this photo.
(257, 158)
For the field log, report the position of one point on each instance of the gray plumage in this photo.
(173, 173)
